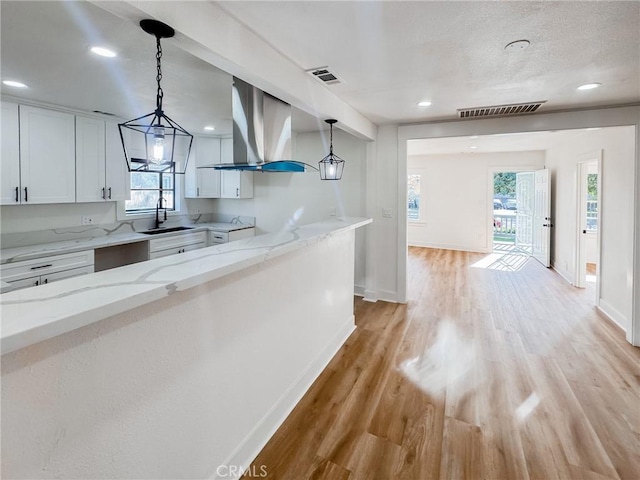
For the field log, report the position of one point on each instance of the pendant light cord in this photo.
(160, 93)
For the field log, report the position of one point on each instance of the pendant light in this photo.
(154, 142)
(331, 166)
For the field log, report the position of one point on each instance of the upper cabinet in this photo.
(101, 172)
(47, 156)
(203, 182)
(10, 192)
(234, 183)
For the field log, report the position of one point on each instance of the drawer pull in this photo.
(42, 266)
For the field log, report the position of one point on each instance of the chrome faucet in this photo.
(158, 207)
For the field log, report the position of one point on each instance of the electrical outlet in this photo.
(86, 220)
(386, 212)
(332, 212)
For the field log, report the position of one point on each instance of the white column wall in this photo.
(179, 387)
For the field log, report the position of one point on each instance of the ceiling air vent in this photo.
(324, 75)
(499, 110)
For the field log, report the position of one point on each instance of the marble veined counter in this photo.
(29, 252)
(32, 315)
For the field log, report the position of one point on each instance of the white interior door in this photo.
(542, 218)
(525, 204)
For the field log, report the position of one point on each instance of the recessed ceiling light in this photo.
(209, 128)
(103, 52)
(425, 103)
(589, 86)
(13, 83)
(473, 147)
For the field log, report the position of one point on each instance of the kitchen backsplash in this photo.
(10, 240)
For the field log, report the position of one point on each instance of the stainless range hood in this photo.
(261, 132)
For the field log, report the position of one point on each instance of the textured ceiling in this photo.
(391, 55)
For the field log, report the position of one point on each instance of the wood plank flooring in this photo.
(486, 373)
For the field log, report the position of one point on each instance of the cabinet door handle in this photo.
(109, 193)
(26, 194)
(197, 191)
(37, 282)
(41, 266)
(46, 280)
(237, 192)
(17, 194)
(104, 196)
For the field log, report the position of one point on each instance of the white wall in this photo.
(456, 205)
(282, 200)
(616, 211)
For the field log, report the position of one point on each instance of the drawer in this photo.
(10, 272)
(176, 250)
(176, 241)
(49, 278)
(218, 237)
(244, 233)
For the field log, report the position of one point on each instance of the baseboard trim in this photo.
(359, 291)
(370, 296)
(255, 441)
(562, 274)
(387, 296)
(611, 314)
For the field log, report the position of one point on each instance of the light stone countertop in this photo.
(16, 254)
(32, 315)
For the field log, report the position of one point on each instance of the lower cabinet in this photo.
(41, 271)
(173, 244)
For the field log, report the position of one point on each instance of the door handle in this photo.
(17, 194)
(26, 194)
(104, 196)
(547, 225)
(584, 231)
(237, 192)
(109, 193)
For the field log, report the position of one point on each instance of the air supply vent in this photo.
(500, 110)
(324, 75)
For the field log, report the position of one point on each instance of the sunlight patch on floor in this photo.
(505, 262)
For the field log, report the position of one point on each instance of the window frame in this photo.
(420, 209)
(160, 189)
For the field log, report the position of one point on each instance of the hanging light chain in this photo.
(160, 93)
(331, 141)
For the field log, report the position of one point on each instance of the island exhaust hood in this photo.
(261, 132)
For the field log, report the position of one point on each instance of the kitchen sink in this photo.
(157, 231)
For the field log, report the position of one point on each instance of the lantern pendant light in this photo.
(331, 166)
(154, 142)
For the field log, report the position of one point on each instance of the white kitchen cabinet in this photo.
(203, 182)
(40, 271)
(10, 192)
(101, 173)
(216, 238)
(236, 184)
(47, 156)
(179, 243)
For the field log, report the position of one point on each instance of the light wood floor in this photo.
(484, 374)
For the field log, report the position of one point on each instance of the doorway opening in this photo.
(588, 238)
(513, 206)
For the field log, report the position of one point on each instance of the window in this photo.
(413, 194)
(592, 202)
(146, 190)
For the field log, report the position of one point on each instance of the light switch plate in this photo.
(386, 212)
(86, 220)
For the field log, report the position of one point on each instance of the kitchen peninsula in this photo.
(172, 367)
